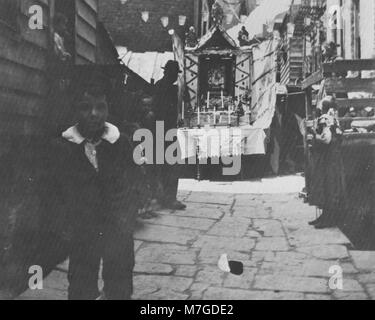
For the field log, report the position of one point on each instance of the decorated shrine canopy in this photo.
(215, 39)
(216, 64)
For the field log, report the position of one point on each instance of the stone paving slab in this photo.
(251, 212)
(305, 268)
(145, 285)
(326, 252)
(230, 227)
(371, 290)
(268, 227)
(311, 237)
(283, 257)
(368, 278)
(186, 270)
(364, 260)
(200, 210)
(272, 244)
(197, 290)
(311, 296)
(162, 294)
(183, 222)
(244, 281)
(157, 233)
(217, 293)
(225, 243)
(153, 268)
(170, 254)
(210, 275)
(340, 295)
(291, 283)
(211, 198)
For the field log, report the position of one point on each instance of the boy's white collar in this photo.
(111, 134)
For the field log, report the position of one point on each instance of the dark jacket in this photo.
(83, 200)
(166, 99)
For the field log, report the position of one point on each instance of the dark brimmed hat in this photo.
(172, 65)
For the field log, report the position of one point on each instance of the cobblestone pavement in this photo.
(283, 257)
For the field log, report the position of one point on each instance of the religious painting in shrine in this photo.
(216, 74)
(216, 78)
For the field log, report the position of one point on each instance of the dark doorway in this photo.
(67, 8)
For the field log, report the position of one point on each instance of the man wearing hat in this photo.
(95, 198)
(166, 103)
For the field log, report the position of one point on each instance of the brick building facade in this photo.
(127, 28)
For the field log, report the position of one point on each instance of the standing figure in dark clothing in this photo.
(94, 178)
(328, 184)
(141, 116)
(165, 101)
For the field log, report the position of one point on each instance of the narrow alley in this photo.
(263, 225)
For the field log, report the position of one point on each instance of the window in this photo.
(9, 13)
(66, 9)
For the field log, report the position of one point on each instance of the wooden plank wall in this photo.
(23, 63)
(23, 92)
(86, 25)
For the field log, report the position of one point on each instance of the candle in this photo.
(215, 114)
(183, 110)
(222, 99)
(199, 116)
(229, 115)
(208, 100)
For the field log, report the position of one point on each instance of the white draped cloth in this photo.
(221, 142)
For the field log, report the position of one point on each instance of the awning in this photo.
(148, 65)
(264, 14)
(280, 19)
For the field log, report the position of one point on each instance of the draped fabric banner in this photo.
(264, 83)
(179, 56)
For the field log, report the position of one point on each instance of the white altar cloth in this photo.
(213, 142)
